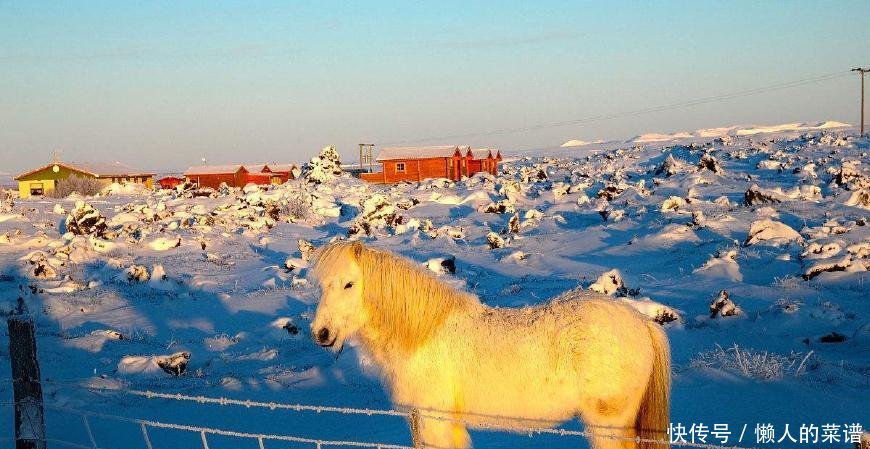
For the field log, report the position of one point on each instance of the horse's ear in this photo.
(357, 248)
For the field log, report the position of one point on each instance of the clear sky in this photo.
(161, 85)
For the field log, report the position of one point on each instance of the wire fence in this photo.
(262, 439)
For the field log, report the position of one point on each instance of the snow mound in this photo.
(579, 143)
(771, 231)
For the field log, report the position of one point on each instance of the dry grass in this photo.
(754, 364)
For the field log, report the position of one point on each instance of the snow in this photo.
(780, 250)
(579, 143)
(212, 169)
(391, 153)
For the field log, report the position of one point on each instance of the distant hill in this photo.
(6, 180)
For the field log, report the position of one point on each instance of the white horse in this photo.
(453, 361)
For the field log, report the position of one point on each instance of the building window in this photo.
(36, 189)
(400, 167)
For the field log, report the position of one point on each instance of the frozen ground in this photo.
(777, 218)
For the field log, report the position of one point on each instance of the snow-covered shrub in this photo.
(723, 306)
(306, 249)
(755, 195)
(608, 283)
(84, 219)
(41, 267)
(611, 283)
(297, 205)
(324, 167)
(709, 162)
(668, 167)
(495, 241)
(532, 174)
(76, 184)
(850, 177)
(377, 213)
(672, 204)
(442, 265)
(175, 364)
(658, 312)
(137, 273)
(7, 201)
(500, 207)
(513, 226)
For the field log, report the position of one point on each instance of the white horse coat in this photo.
(454, 361)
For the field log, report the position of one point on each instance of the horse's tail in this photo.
(652, 418)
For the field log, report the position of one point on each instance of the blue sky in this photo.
(161, 85)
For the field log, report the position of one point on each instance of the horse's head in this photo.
(340, 313)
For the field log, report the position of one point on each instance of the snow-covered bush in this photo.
(297, 205)
(723, 306)
(7, 201)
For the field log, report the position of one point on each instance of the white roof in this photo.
(281, 167)
(391, 153)
(482, 153)
(212, 169)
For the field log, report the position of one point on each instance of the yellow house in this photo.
(42, 180)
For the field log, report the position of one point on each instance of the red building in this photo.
(213, 175)
(280, 173)
(418, 163)
(170, 182)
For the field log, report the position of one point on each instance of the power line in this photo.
(636, 112)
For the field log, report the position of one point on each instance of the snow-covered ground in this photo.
(777, 219)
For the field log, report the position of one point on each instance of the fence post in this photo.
(27, 391)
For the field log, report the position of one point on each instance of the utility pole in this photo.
(861, 71)
(365, 156)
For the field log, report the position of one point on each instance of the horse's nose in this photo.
(322, 336)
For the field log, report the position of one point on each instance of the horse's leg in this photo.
(611, 424)
(435, 433)
(612, 438)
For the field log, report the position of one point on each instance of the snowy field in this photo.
(776, 217)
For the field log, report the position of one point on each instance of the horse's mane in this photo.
(405, 304)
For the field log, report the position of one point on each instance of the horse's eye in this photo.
(348, 285)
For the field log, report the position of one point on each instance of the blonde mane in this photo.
(405, 304)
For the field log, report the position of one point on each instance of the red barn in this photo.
(213, 175)
(418, 163)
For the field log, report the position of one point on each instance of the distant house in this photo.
(279, 173)
(239, 175)
(446, 161)
(43, 180)
(235, 175)
(170, 182)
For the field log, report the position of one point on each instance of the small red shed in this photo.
(445, 161)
